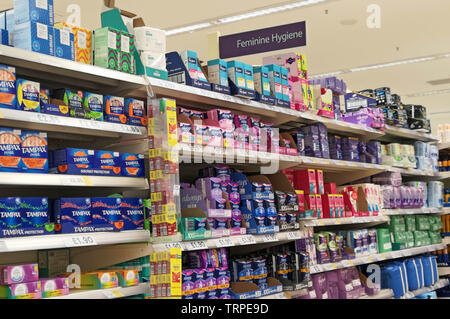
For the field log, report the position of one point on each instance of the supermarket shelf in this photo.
(446, 241)
(440, 284)
(444, 146)
(413, 172)
(67, 126)
(244, 240)
(280, 295)
(384, 294)
(69, 73)
(57, 180)
(339, 166)
(345, 221)
(444, 271)
(393, 133)
(375, 258)
(72, 240)
(113, 293)
(443, 176)
(412, 211)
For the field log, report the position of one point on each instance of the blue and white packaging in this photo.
(64, 44)
(9, 19)
(218, 72)
(190, 59)
(248, 73)
(261, 78)
(5, 39)
(3, 20)
(41, 11)
(276, 89)
(236, 74)
(35, 37)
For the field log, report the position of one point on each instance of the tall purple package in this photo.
(323, 138)
(336, 147)
(350, 148)
(374, 155)
(312, 141)
(362, 151)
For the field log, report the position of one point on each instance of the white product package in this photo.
(150, 39)
(154, 60)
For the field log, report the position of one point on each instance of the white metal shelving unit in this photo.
(113, 293)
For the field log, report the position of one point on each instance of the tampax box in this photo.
(276, 89)
(82, 42)
(311, 203)
(261, 78)
(10, 150)
(107, 214)
(74, 161)
(36, 37)
(114, 109)
(64, 44)
(10, 217)
(328, 206)
(132, 165)
(132, 213)
(107, 48)
(35, 217)
(73, 216)
(34, 150)
(93, 105)
(306, 180)
(218, 72)
(28, 95)
(17, 274)
(236, 74)
(41, 11)
(135, 112)
(54, 287)
(8, 87)
(248, 73)
(108, 163)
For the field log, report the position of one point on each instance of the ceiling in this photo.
(337, 34)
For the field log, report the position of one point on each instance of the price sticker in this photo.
(196, 245)
(1, 115)
(72, 180)
(247, 240)
(321, 223)
(113, 294)
(346, 263)
(224, 242)
(269, 238)
(293, 235)
(80, 241)
(169, 246)
(316, 269)
(329, 267)
(87, 181)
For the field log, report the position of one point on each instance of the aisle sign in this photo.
(263, 40)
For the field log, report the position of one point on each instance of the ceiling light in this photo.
(262, 12)
(325, 75)
(429, 93)
(387, 65)
(188, 28)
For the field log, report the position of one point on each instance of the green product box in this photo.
(399, 237)
(157, 74)
(397, 228)
(419, 237)
(410, 222)
(422, 223)
(189, 234)
(93, 105)
(384, 240)
(107, 43)
(398, 246)
(426, 242)
(409, 239)
(126, 55)
(436, 224)
(435, 237)
(397, 220)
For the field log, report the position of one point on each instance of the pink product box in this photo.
(215, 135)
(201, 134)
(223, 117)
(289, 61)
(219, 233)
(216, 208)
(29, 290)
(238, 231)
(55, 287)
(18, 274)
(242, 121)
(241, 139)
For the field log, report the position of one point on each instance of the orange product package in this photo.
(34, 149)
(10, 150)
(83, 42)
(8, 87)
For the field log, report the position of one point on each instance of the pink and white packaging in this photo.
(215, 133)
(288, 61)
(254, 138)
(241, 138)
(225, 118)
(241, 121)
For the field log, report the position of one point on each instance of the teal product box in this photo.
(8, 97)
(93, 105)
(107, 214)
(114, 109)
(73, 161)
(275, 81)
(218, 72)
(28, 95)
(285, 83)
(34, 37)
(132, 165)
(108, 162)
(236, 74)
(248, 73)
(64, 44)
(34, 152)
(133, 213)
(190, 60)
(73, 215)
(41, 11)
(107, 48)
(36, 218)
(262, 82)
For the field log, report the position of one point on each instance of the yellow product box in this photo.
(83, 42)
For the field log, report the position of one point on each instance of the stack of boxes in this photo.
(151, 45)
(82, 41)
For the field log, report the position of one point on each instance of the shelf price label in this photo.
(315, 269)
(247, 240)
(196, 245)
(224, 242)
(169, 246)
(113, 294)
(270, 238)
(80, 241)
(72, 181)
(293, 235)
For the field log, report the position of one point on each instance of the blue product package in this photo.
(242, 271)
(299, 139)
(73, 161)
(93, 104)
(218, 72)
(135, 112)
(106, 214)
(248, 74)
(262, 82)
(413, 274)
(132, 213)
(41, 11)
(336, 147)
(258, 206)
(5, 38)
(34, 150)
(270, 221)
(10, 150)
(64, 44)
(236, 73)
(270, 208)
(430, 276)
(420, 271)
(34, 37)
(392, 278)
(108, 163)
(73, 215)
(10, 217)
(36, 217)
(132, 165)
